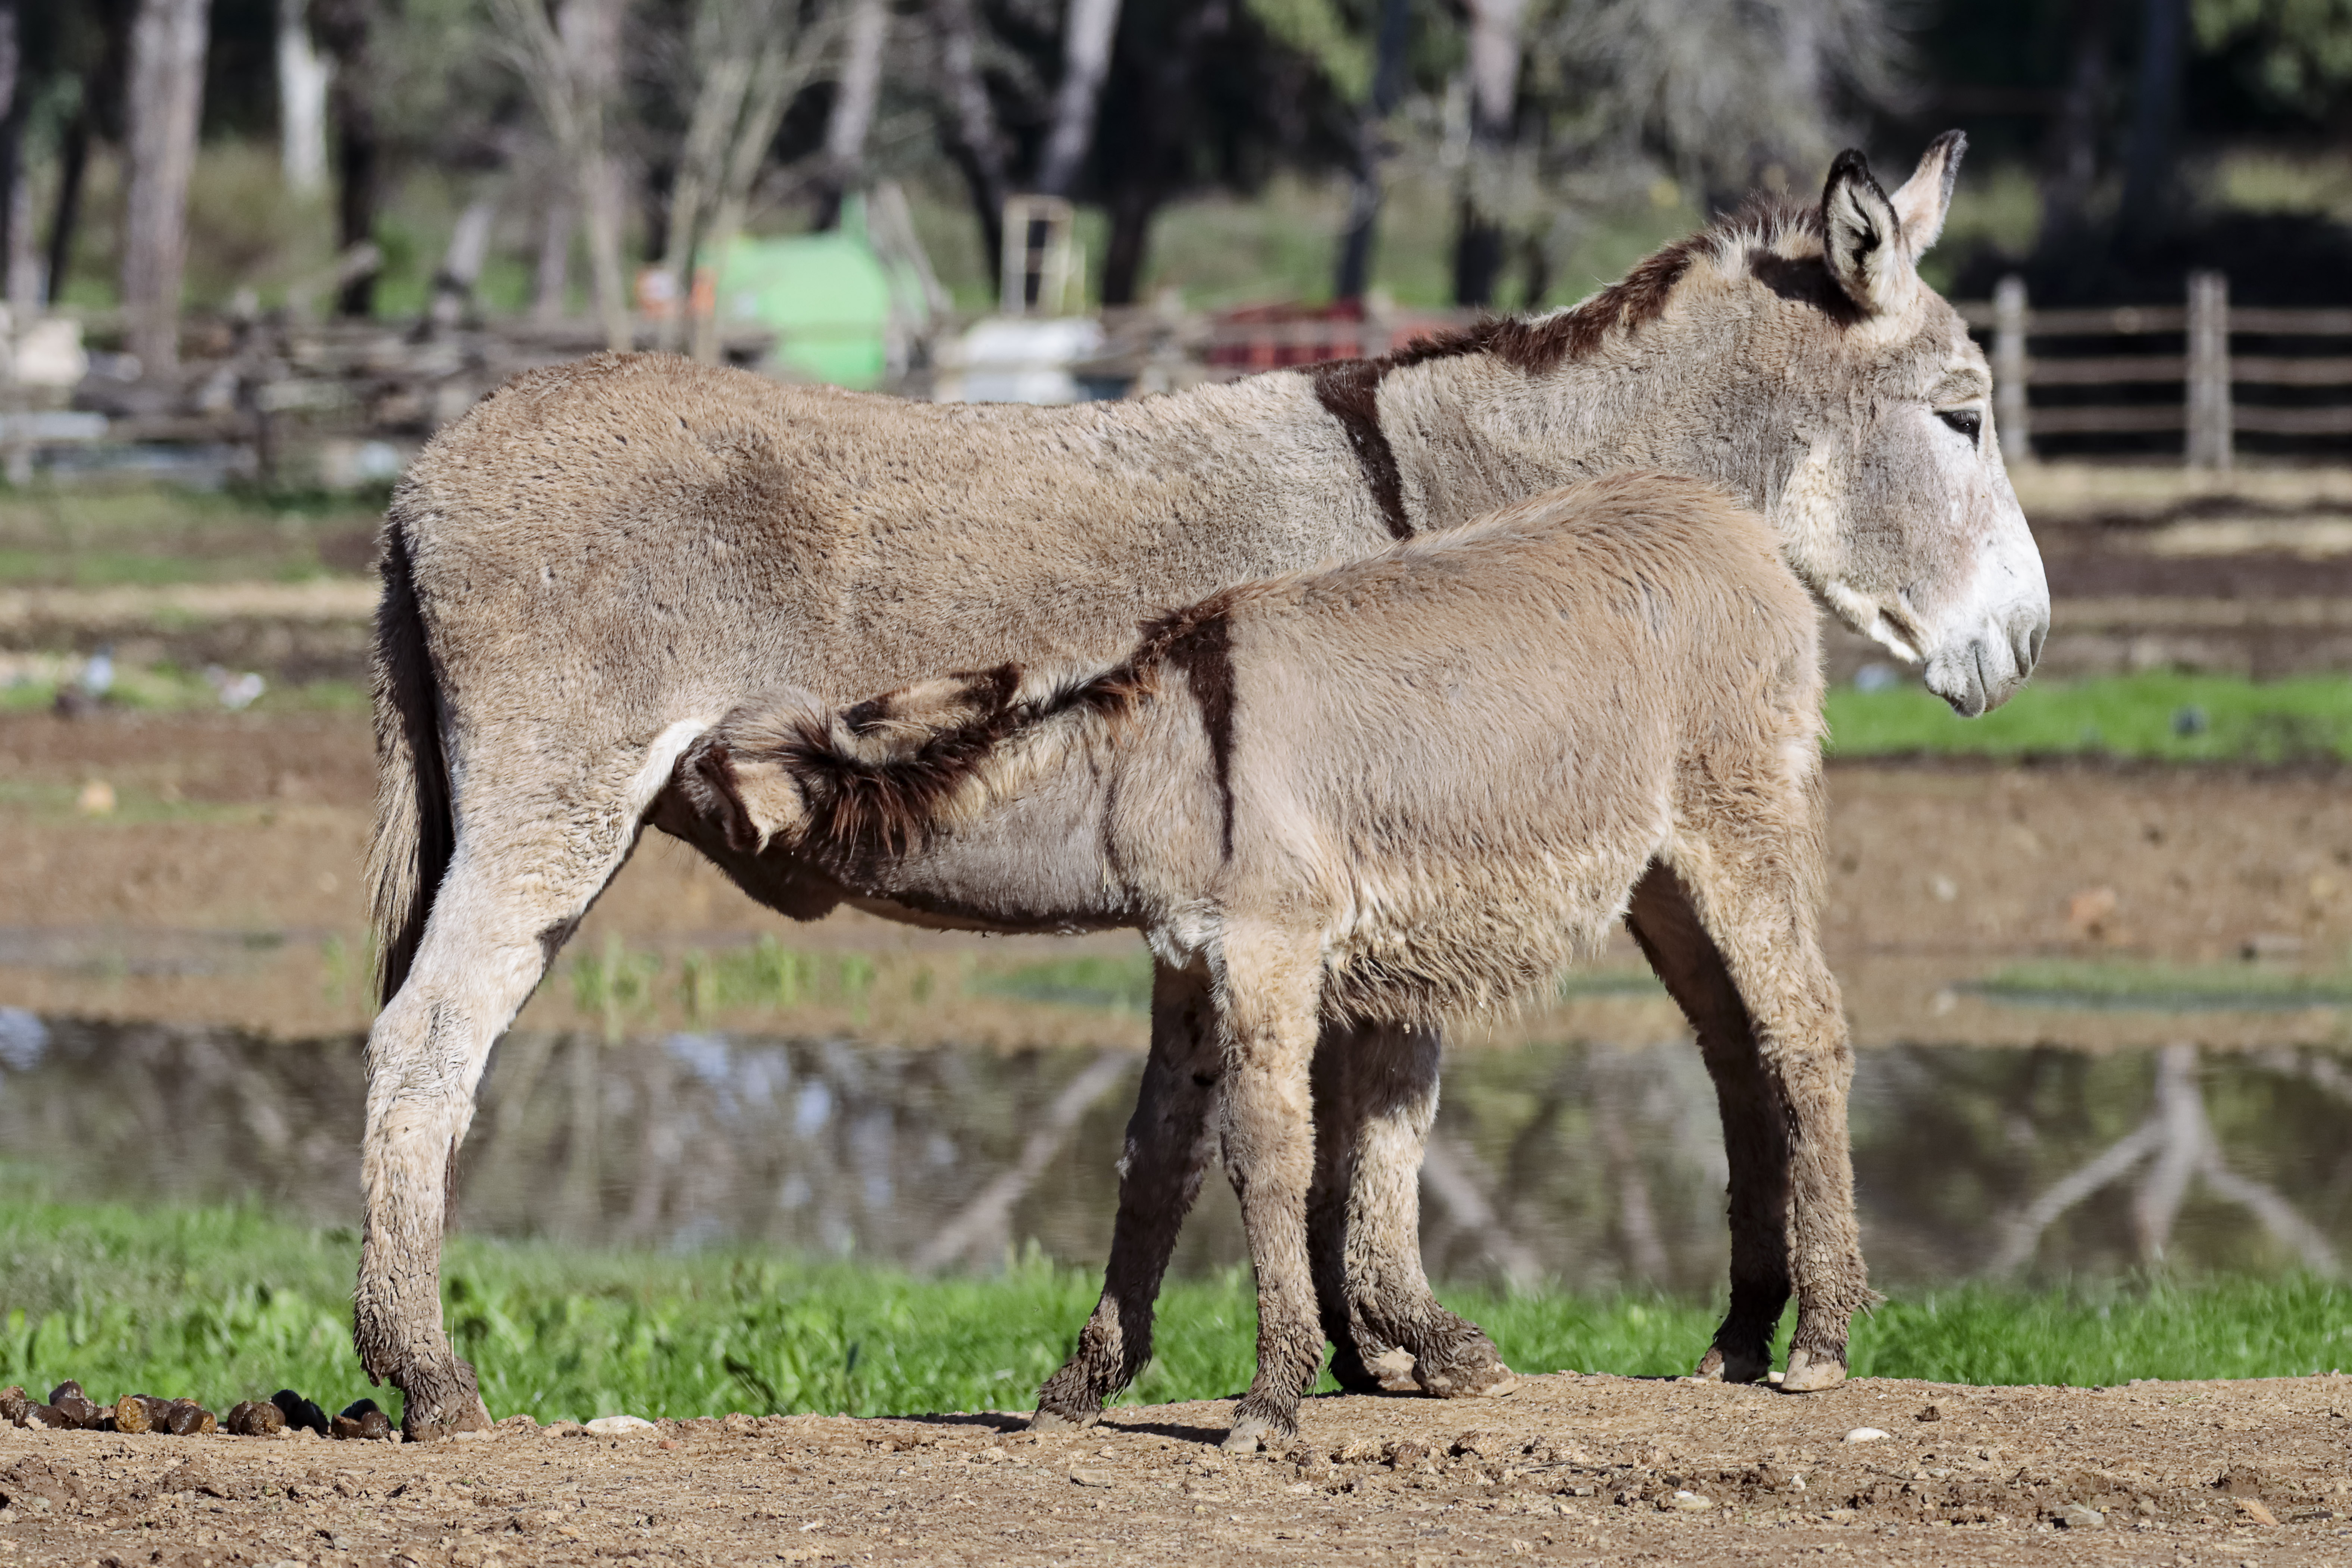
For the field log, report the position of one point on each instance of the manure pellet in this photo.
(361, 1420)
(303, 1414)
(189, 1419)
(255, 1418)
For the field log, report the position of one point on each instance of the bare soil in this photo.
(1570, 1469)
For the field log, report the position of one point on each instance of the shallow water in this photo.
(1596, 1165)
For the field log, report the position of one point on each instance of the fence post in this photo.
(2009, 371)
(2209, 371)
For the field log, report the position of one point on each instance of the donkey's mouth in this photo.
(1986, 671)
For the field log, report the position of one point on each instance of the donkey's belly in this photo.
(1465, 938)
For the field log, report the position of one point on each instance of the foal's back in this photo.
(1465, 750)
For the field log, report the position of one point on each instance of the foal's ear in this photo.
(1927, 196)
(1863, 238)
(706, 775)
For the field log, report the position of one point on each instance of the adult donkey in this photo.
(601, 559)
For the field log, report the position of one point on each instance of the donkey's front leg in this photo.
(1375, 1097)
(1266, 984)
(1160, 1175)
(1759, 920)
(1755, 1122)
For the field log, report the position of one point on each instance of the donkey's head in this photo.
(788, 772)
(1887, 484)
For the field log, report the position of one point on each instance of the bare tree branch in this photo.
(983, 1222)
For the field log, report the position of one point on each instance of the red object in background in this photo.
(1269, 337)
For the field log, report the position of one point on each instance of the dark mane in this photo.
(1348, 389)
(889, 806)
(1542, 344)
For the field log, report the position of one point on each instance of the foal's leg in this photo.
(527, 867)
(1167, 1151)
(1265, 992)
(1375, 1097)
(1755, 1131)
(1749, 886)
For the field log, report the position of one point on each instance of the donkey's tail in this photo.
(415, 832)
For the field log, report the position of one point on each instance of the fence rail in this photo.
(2210, 416)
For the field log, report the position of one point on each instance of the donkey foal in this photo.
(1414, 787)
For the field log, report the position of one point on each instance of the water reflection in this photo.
(1593, 1164)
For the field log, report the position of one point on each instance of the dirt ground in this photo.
(223, 887)
(1570, 1469)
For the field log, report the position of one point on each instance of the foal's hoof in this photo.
(1252, 1432)
(1055, 1421)
(1715, 1366)
(1810, 1373)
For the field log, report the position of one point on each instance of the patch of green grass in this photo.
(2171, 987)
(105, 535)
(30, 683)
(2154, 717)
(1121, 983)
(223, 1303)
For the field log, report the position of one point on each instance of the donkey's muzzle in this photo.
(1981, 674)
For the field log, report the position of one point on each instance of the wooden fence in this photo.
(2125, 346)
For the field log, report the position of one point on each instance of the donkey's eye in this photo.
(1966, 421)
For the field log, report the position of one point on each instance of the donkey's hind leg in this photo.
(527, 869)
(1167, 1141)
(1755, 1134)
(1375, 1097)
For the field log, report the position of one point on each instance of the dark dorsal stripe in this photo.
(1348, 390)
(1198, 640)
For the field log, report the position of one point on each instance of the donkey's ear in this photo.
(1927, 196)
(706, 775)
(1863, 238)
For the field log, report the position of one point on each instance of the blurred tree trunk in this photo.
(15, 206)
(166, 99)
(853, 109)
(973, 141)
(551, 279)
(1147, 145)
(591, 33)
(1494, 71)
(2150, 178)
(1086, 34)
(2070, 165)
(64, 215)
(304, 76)
(346, 29)
(782, 61)
(1355, 270)
(571, 68)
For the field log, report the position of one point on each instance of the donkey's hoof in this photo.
(1386, 1374)
(1811, 1374)
(1715, 1366)
(1479, 1376)
(1252, 1432)
(424, 1426)
(1060, 1421)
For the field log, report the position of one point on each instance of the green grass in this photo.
(2150, 716)
(224, 1304)
(148, 535)
(2171, 987)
